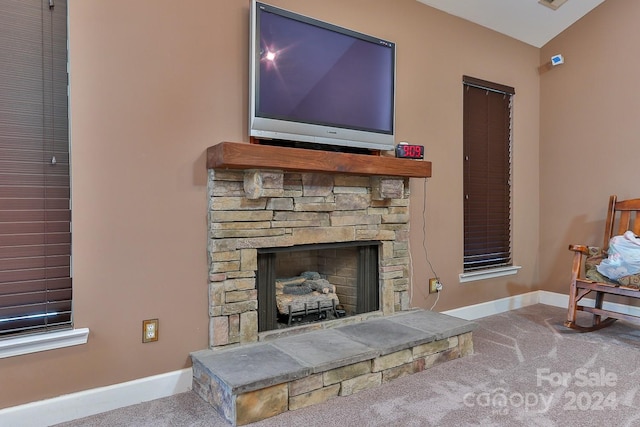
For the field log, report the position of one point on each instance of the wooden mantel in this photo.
(237, 155)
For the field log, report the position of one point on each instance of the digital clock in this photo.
(409, 151)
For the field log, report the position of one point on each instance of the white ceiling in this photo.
(524, 20)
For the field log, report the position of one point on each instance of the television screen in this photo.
(316, 82)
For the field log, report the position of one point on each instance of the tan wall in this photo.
(154, 83)
(429, 112)
(589, 132)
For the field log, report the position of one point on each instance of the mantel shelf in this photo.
(236, 155)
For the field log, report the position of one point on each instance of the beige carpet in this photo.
(527, 370)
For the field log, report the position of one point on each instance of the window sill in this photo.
(42, 342)
(489, 274)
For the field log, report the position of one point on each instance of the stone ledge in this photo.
(354, 356)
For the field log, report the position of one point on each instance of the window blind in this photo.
(35, 215)
(487, 174)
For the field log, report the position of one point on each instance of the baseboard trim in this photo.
(94, 401)
(484, 309)
(554, 299)
(90, 402)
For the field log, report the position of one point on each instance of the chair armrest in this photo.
(579, 248)
(578, 252)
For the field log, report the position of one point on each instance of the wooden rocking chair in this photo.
(621, 217)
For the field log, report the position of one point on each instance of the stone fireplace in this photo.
(260, 211)
(341, 219)
(265, 199)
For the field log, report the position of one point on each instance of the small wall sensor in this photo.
(557, 60)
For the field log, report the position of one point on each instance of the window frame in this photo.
(36, 288)
(492, 254)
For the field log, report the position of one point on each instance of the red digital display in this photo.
(407, 151)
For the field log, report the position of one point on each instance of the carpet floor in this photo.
(527, 370)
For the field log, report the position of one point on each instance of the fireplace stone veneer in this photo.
(255, 209)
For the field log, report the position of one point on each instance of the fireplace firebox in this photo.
(316, 282)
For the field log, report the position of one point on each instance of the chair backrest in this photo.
(622, 216)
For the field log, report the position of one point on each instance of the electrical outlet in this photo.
(434, 283)
(149, 330)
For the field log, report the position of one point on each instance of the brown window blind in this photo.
(35, 215)
(487, 174)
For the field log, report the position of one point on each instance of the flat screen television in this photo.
(315, 82)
